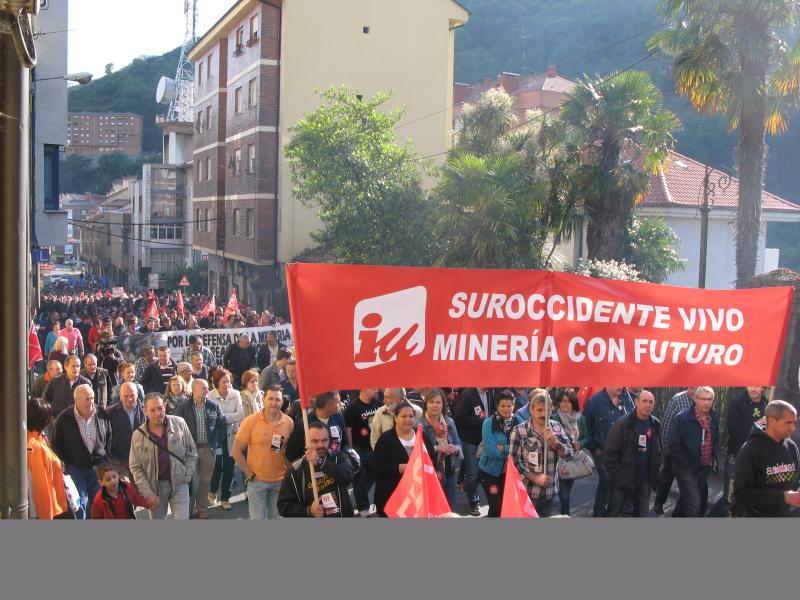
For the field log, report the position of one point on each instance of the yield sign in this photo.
(184, 281)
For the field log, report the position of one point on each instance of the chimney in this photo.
(551, 71)
(509, 82)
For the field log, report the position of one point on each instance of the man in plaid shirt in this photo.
(677, 404)
(535, 447)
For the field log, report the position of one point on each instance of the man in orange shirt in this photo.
(264, 435)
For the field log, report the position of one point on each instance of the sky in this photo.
(117, 31)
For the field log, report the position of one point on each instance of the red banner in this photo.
(516, 502)
(232, 307)
(415, 327)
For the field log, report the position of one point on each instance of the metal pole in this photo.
(14, 261)
(704, 210)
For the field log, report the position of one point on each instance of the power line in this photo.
(133, 238)
(555, 108)
(152, 223)
(567, 62)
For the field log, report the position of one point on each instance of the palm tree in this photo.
(502, 192)
(729, 57)
(624, 133)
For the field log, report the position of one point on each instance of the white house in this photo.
(676, 193)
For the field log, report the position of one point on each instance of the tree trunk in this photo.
(606, 227)
(751, 174)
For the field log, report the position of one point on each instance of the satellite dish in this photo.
(165, 92)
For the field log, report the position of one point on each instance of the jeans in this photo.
(544, 507)
(641, 500)
(601, 494)
(694, 492)
(722, 508)
(365, 479)
(177, 500)
(449, 487)
(223, 468)
(471, 473)
(564, 490)
(665, 481)
(88, 486)
(493, 486)
(202, 479)
(262, 499)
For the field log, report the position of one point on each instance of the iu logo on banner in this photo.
(389, 326)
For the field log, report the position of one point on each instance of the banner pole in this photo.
(290, 288)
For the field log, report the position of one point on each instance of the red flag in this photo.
(232, 307)
(152, 310)
(151, 295)
(181, 309)
(107, 295)
(419, 493)
(34, 348)
(209, 308)
(516, 502)
(583, 395)
(82, 297)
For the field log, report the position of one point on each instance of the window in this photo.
(200, 73)
(365, 29)
(179, 233)
(237, 101)
(236, 224)
(51, 187)
(208, 67)
(198, 217)
(208, 169)
(253, 27)
(199, 170)
(239, 38)
(251, 158)
(208, 117)
(252, 94)
(251, 223)
(237, 161)
(154, 233)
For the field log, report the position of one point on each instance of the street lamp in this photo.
(710, 188)
(82, 78)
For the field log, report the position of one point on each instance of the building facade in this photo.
(95, 134)
(256, 72)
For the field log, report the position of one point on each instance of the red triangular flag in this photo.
(152, 310)
(34, 348)
(232, 307)
(209, 309)
(107, 295)
(419, 494)
(181, 310)
(82, 296)
(583, 395)
(516, 502)
(151, 295)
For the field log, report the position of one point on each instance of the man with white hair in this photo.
(693, 442)
(383, 420)
(82, 440)
(124, 417)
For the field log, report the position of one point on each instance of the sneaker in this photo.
(212, 498)
(658, 508)
(363, 513)
(475, 510)
(226, 505)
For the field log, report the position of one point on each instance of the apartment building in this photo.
(98, 133)
(256, 72)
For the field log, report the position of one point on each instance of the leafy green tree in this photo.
(197, 275)
(732, 57)
(502, 191)
(650, 246)
(77, 174)
(624, 134)
(345, 160)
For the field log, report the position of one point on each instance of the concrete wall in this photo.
(50, 126)
(408, 51)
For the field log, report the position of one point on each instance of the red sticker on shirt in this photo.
(650, 432)
(365, 432)
(493, 490)
(483, 415)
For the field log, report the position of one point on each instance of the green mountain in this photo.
(131, 89)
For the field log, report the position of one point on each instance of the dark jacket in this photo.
(742, 413)
(264, 357)
(620, 453)
(765, 469)
(685, 438)
(59, 393)
(469, 414)
(296, 444)
(600, 414)
(121, 429)
(238, 360)
(100, 385)
(296, 494)
(216, 423)
(152, 380)
(389, 455)
(69, 445)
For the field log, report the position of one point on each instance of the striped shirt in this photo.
(527, 448)
(88, 428)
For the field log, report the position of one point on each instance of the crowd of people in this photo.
(109, 436)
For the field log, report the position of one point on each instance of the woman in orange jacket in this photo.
(48, 494)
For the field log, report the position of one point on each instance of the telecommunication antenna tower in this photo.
(179, 92)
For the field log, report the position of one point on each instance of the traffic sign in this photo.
(184, 281)
(152, 281)
(204, 257)
(46, 267)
